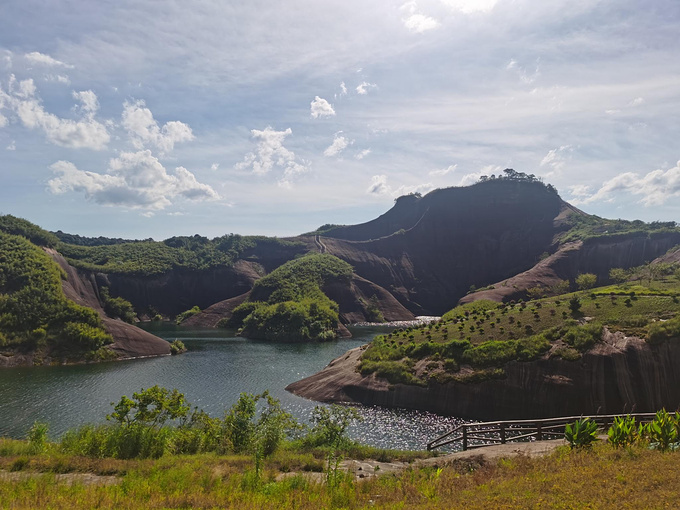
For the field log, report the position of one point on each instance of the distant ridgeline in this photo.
(500, 237)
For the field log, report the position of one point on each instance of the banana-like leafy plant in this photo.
(663, 432)
(581, 433)
(623, 432)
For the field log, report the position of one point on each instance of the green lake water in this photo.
(217, 368)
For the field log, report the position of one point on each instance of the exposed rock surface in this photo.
(596, 256)
(618, 375)
(129, 341)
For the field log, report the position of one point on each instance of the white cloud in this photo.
(556, 159)
(473, 177)
(12, 146)
(379, 186)
(444, 171)
(136, 180)
(363, 154)
(82, 133)
(321, 108)
(637, 101)
(88, 101)
(416, 21)
(270, 152)
(214, 167)
(522, 73)
(339, 144)
(145, 131)
(3, 119)
(343, 89)
(656, 187)
(58, 78)
(364, 87)
(470, 6)
(36, 57)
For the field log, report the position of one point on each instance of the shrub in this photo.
(177, 347)
(330, 425)
(586, 281)
(86, 337)
(659, 331)
(623, 431)
(583, 337)
(37, 437)
(581, 433)
(186, 314)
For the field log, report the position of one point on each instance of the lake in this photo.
(217, 368)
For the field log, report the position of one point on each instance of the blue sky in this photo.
(144, 119)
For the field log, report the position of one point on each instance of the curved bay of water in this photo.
(217, 368)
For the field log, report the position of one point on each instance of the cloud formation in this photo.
(363, 154)
(270, 152)
(364, 87)
(86, 132)
(321, 108)
(339, 144)
(655, 188)
(416, 21)
(136, 180)
(145, 131)
(444, 171)
(379, 186)
(36, 57)
(556, 159)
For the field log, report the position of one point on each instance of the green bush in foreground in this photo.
(157, 421)
(581, 433)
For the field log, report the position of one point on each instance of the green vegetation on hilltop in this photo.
(587, 226)
(289, 305)
(149, 258)
(34, 313)
(474, 341)
(18, 226)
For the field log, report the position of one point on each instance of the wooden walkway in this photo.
(476, 435)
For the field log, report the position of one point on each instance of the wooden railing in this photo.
(476, 435)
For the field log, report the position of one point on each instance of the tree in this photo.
(618, 275)
(152, 407)
(575, 305)
(586, 281)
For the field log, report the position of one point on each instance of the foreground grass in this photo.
(599, 477)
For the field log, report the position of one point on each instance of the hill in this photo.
(603, 350)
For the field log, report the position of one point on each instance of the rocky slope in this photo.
(129, 340)
(618, 375)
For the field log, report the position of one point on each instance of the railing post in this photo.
(464, 437)
(539, 432)
(502, 433)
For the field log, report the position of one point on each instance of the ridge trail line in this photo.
(319, 244)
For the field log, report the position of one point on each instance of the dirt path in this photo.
(65, 478)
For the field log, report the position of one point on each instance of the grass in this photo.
(596, 477)
(486, 335)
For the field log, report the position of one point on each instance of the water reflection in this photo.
(217, 368)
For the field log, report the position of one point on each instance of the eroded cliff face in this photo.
(129, 341)
(453, 238)
(618, 375)
(596, 256)
(179, 290)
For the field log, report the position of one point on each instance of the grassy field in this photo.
(484, 335)
(596, 477)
